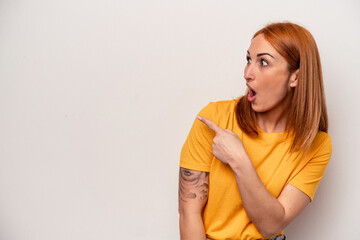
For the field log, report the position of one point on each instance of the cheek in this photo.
(276, 87)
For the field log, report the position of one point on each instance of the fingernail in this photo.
(198, 117)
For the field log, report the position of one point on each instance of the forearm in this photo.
(191, 227)
(264, 209)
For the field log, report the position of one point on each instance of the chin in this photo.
(260, 109)
(256, 108)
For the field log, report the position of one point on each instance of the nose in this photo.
(249, 73)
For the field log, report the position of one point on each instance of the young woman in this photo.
(249, 166)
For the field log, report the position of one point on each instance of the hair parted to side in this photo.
(307, 114)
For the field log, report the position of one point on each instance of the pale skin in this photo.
(269, 76)
(193, 187)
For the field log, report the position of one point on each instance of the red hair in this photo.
(307, 113)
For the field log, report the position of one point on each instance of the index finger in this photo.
(210, 124)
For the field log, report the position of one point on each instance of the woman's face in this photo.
(267, 77)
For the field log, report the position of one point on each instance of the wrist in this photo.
(241, 163)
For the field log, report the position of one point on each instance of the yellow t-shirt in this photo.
(224, 215)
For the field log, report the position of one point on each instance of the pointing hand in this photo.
(227, 146)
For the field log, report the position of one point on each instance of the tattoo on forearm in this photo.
(193, 185)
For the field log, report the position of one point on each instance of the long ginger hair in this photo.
(307, 111)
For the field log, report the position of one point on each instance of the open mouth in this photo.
(252, 94)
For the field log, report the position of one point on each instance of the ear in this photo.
(294, 78)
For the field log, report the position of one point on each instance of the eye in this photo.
(248, 60)
(264, 63)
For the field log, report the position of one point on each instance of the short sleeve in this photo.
(196, 153)
(308, 179)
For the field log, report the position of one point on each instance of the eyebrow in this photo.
(262, 54)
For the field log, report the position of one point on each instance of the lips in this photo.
(252, 93)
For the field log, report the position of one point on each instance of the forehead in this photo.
(260, 45)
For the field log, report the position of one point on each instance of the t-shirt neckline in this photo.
(278, 137)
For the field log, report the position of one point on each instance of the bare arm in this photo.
(193, 192)
(270, 215)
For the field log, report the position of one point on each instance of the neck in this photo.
(274, 120)
(271, 123)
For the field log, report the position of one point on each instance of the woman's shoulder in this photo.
(221, 112)
(322, 140)
(322, 136)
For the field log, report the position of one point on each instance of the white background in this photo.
(97, 98)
